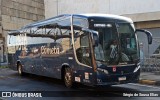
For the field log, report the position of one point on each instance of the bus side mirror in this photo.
(149, 34)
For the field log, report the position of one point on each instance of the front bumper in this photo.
(114, 79)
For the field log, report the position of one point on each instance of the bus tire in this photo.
(68, 77)
(19, 68)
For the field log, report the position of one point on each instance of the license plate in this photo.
(122, 78)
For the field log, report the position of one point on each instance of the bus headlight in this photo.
(135, 70)
(103, 70)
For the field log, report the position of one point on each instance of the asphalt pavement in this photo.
(52, 89)
(150, 78)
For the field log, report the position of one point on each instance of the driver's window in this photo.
(83, 48)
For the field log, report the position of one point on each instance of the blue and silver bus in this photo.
(92, 49)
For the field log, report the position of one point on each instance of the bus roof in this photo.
(107, 16)
(95, 16)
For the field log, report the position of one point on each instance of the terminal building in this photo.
(13, 15)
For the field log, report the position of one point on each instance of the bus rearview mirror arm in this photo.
(149, 34)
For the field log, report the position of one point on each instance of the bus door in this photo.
(83, 54)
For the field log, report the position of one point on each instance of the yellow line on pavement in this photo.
(148, 82)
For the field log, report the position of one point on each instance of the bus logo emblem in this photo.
(114, 69)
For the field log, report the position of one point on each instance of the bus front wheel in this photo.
(68, 77)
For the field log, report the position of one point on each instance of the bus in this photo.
(92, 49)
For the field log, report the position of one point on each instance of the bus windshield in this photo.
(117, 44)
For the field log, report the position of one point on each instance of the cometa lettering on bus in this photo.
(45, 50)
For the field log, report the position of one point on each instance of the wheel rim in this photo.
(68, 79)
